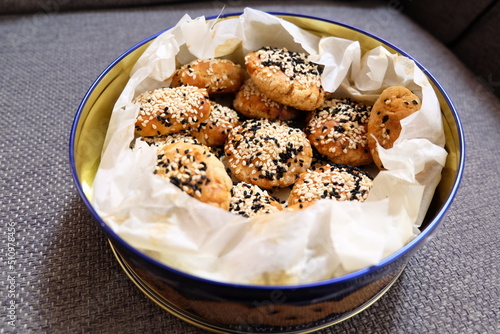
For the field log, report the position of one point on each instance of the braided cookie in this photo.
(250, 102)
(286, 77)
(169, 110)
(214, 130)
(338, 132)
(216, 75)
(339, 182)
(249, 200)
(196, 171)
(266, 153)
(384, 124)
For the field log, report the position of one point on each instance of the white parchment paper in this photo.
(326, 240)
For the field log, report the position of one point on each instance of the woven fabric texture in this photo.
(61, 273)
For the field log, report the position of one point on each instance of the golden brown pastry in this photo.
(339, 182)
(266, 153)
(250, 102)
(214, 130)
(338, 131)
(384, 127)
(249, 200)
(169, 110)
(299, 206)
(160, 141)
(216, 75)
(286, 77)
(196, 171)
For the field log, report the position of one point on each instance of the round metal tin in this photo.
(233, 308)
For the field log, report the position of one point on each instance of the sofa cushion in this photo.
(479, 48)
(468, 28)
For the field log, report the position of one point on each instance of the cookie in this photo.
(266, 153)
(286, 77)
(339, 182)
(384, 124)
(338, 131)
(249, 200)
(216, 75)
(250, 102)
(169, 110)
(214, 130)
(160, 141)
(196, 171)
(299, 206)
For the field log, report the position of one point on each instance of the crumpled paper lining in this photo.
(326, 240)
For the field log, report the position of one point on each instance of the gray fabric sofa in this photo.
(469, 29)
(64, 276)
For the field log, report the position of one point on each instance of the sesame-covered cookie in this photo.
(160, 141)
(299, 206)
(196, 171)
(266, 153)
(216, 75)
(338, 132)
(384, 124)
(169, 110)
(286, 77)
(249, 200)
(339, 182)
(214, 130)
(250, 102)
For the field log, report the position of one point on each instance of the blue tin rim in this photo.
(337, 280)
